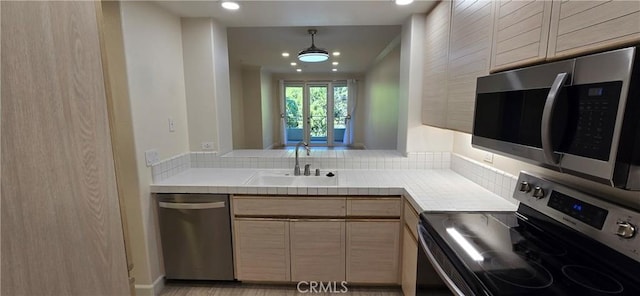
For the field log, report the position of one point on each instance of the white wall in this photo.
(237, 106)
(268, 106)
(412, 135)
(197, 45)
(252, 101)
(153, 49)
(380, 106)
(222, 86)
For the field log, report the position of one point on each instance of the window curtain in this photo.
(352, 87)
(283, 113)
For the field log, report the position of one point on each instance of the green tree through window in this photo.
(294, 107)
(318, 113)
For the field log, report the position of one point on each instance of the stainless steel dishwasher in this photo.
(195, 230)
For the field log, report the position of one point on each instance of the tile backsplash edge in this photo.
(171, 166)
(414, 160)
(492, 179)
(366, 160)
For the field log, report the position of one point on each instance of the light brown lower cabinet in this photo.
(373, 248)
(317, 250)
(291, 239)
(262, 250)
(409, 262)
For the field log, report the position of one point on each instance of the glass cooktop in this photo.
(508, 254)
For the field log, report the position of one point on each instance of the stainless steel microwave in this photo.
(580, 116)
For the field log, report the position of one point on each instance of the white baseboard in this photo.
(151, 290)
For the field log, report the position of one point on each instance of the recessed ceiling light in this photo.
(336, 53)
(294, 64)
(403, 2)
(335, 63)
(285, 54)
(334, 70)
(298, 70)
(230, 5)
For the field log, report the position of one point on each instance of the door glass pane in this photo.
(318, 114)
(340, 98)
(293, 106)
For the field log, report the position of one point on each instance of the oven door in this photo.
(431, 261)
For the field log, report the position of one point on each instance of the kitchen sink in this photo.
(286, 178)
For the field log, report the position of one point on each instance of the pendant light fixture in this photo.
(313, 54)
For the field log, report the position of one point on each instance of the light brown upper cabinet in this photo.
(465, 39)
(457, 48)
(436, 57)
(469, 56)
(579, 27)
(521, 33)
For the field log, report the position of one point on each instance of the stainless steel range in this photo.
(559, 242)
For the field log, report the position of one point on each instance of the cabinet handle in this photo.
(192, 206)
(317, 220)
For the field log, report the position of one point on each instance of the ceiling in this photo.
(261, 30)
(358, 46)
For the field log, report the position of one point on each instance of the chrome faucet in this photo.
(296, 169)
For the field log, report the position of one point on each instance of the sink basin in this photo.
(286, 178)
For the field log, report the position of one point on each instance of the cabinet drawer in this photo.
(374, 207)
(411, 219)
(289, 206)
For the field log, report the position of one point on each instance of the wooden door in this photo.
(373, 247)
(521, 33)
(317, 250)
(61, 224)
(262, 249)
(580, 27)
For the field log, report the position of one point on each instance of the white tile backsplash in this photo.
(324, 159)
(492, 179)
(171, 167)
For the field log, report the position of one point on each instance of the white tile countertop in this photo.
(426, 190)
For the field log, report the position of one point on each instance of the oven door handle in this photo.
(547, 114)
(443, 275)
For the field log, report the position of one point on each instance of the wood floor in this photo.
(237, 289)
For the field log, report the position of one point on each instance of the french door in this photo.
(316, 112)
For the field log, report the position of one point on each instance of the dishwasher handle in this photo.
(192, 206)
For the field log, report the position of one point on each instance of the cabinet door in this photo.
(521, 33)
(436, 53)
(409, 262)
(469, 55)
(579, 27)
(317, 250)
(372, 251)
(262, 250)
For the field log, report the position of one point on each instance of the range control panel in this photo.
(611, 224)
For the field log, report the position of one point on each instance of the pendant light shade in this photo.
(313, 54)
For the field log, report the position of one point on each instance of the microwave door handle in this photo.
(549, 107)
